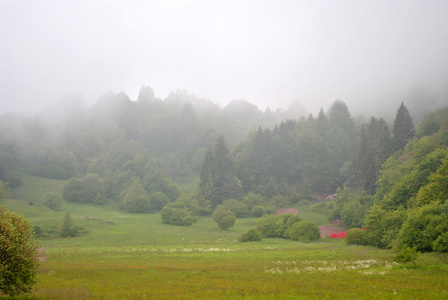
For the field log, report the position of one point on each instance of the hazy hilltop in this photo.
(371, 55)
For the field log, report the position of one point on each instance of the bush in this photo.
(257, 211)
(290, 221)
(224, 217)
(159, 200)
(53, 201)
(176, 213)
(277, 226)
(356, 236)
(267, 226)
(441, 243)
(251, 236)
(18, 252)
(423, 226)
(407, 254)
(240, 209)
(135, 198)
(305, 231)
(83, 190)
(353, 214)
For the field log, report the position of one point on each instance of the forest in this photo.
(387, 177)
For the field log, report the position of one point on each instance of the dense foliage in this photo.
(18, 252)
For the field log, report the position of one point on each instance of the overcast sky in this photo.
(269, 53)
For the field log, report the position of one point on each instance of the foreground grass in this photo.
(317, 271)
(135, 256)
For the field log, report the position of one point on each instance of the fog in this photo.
(370, 54)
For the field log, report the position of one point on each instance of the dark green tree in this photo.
(364, 171)
(321, 123)
(217, 179)
(403, 130)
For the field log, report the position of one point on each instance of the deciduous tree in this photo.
(18, 254)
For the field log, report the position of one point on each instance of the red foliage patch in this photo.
(287, 211)
(326, 231)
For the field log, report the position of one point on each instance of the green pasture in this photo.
(135, 256)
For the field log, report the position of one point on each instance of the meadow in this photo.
(135, 256)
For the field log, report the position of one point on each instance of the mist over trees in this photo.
(389, 177)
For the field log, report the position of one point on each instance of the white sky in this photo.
(269, 53)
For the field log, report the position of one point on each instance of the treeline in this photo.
(409, 206)
(63, 140)
(388, 177)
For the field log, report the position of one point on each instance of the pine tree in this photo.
(403, 130)
(364, 170)
(205, 181)
(217, 180)
(321, 123)
(225, 183)
(68, 228)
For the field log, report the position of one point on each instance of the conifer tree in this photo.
(217, 180)
(403, 129)
(364, 163)
(321, 123)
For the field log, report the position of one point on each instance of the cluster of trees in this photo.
(297, 157)
(62, 140)
(385, 174)
(409, 206)
(287, 226)
(137, 183)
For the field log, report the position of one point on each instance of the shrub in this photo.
(290, 221)
(356, 236)
(407, 254)
(267, 226)
(353, 214)
(257, 211)
(224, 217)
(159, 200)
(53, 201)
(135, 198)
(83, 190)
(423, 226)
(441, 243)
(304, 231)
(18, 252)
(176, 213)
(251, 236)
(239, 208)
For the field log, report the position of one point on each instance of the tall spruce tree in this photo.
(364, 163)
(217, 180)
(403, 129)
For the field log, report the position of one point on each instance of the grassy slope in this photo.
(135, 256)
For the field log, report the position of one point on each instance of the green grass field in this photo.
(135, 256)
